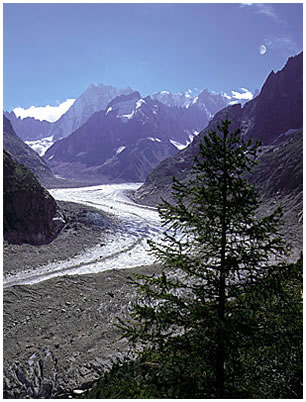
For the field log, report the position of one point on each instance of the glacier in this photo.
(126, 247)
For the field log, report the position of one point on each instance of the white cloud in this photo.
(49, 113)
(263, 8)
(282, 43)
(267, 10)
(246, 94)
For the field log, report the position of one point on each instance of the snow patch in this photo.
(225, 95)
(57, 176)
(154, 139)
(178, 145)
(120, 149)
(128, 116)
(245, 95)
(109, 110)
(139, 103)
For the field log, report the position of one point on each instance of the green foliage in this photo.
(266, 362)
(224, 317)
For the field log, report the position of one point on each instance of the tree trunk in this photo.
(220, 358)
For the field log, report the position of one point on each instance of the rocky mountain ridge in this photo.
(25, 155)
(272, 117)
(96, 98)
(29, 128)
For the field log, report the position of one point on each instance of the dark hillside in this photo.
(22, 153)
(30, 214)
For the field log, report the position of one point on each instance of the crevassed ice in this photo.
(41, 146)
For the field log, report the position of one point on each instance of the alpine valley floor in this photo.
(59, 333)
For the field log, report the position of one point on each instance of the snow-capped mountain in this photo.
(94, 99)
(181, 99)
(126, 140)
(210, 102)
(193, 110)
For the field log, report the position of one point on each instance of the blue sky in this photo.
(53, 52)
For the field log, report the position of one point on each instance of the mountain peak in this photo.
(125, 97)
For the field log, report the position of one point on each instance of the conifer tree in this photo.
(220, 265)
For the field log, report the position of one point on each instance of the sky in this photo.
(53, 52)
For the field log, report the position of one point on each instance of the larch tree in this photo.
(221, 270)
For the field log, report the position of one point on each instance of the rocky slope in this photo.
(279, 106)
(278, 177)
(30, 214)
(25, 155)
(272, 117)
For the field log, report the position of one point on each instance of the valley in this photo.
(59, 332)
(81, 194)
